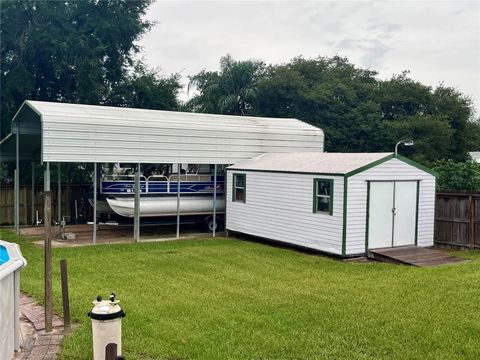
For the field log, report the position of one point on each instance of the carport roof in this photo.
(61, 132)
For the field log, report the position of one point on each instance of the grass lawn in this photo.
(231, 299)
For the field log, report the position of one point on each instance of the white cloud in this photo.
(438, 41)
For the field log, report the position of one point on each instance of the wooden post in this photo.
(471, 225)
(111, 352)
(76, 212)
(48, 260)
(65, 297)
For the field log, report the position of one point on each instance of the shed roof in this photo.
(89, 133)
(311, 162)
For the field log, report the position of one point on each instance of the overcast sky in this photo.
(438, 41)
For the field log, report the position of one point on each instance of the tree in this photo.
(228, 91)
(78, 52)
(146, 89)
(357, 111)
(458, 110)
(330, 93)
(458, 176)
(433, 137)
(70, 51)
(472, 140)
(402, 98)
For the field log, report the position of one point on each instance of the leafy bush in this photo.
(458, 176)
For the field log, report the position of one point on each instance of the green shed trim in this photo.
(370, 165)
(389, 157)
(417, 165)
(416, 213)
(286, 172)
(348, 174)
(344, 230)
(367, 216)
(367, 213)
(225, 190)
(315, 197)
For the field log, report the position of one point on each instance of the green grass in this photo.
(230, 299)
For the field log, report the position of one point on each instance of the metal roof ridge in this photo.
(32, 104)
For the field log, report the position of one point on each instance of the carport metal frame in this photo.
(225, 140)
(199, 139)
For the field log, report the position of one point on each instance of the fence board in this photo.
(457, 220)
(477, 221)
(70, 193)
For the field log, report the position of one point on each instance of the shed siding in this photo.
(279, 207)
(393, 169)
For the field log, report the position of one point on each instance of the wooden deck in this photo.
(414, 255)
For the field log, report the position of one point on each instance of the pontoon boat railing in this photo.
(190, 177)
(117, 177)
(173, 177)
(157, 178)
(148, 185)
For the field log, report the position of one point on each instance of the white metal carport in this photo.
(60, 132)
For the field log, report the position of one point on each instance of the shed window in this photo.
(323, 196)
(239, 187)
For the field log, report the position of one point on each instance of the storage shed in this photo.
(339, 203)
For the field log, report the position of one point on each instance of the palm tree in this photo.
(231, 90)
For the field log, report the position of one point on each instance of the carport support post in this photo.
(178, 200)
(59, 195)
(17, 183)
(33, 192)
(94, 238)
(225, 200)
(48, 250)
(136, 206)
(214, 199)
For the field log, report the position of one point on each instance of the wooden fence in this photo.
(70, 193)
(457, 220)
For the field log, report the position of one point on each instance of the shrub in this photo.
(457, 176)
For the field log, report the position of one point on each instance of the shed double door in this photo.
(392, 213)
